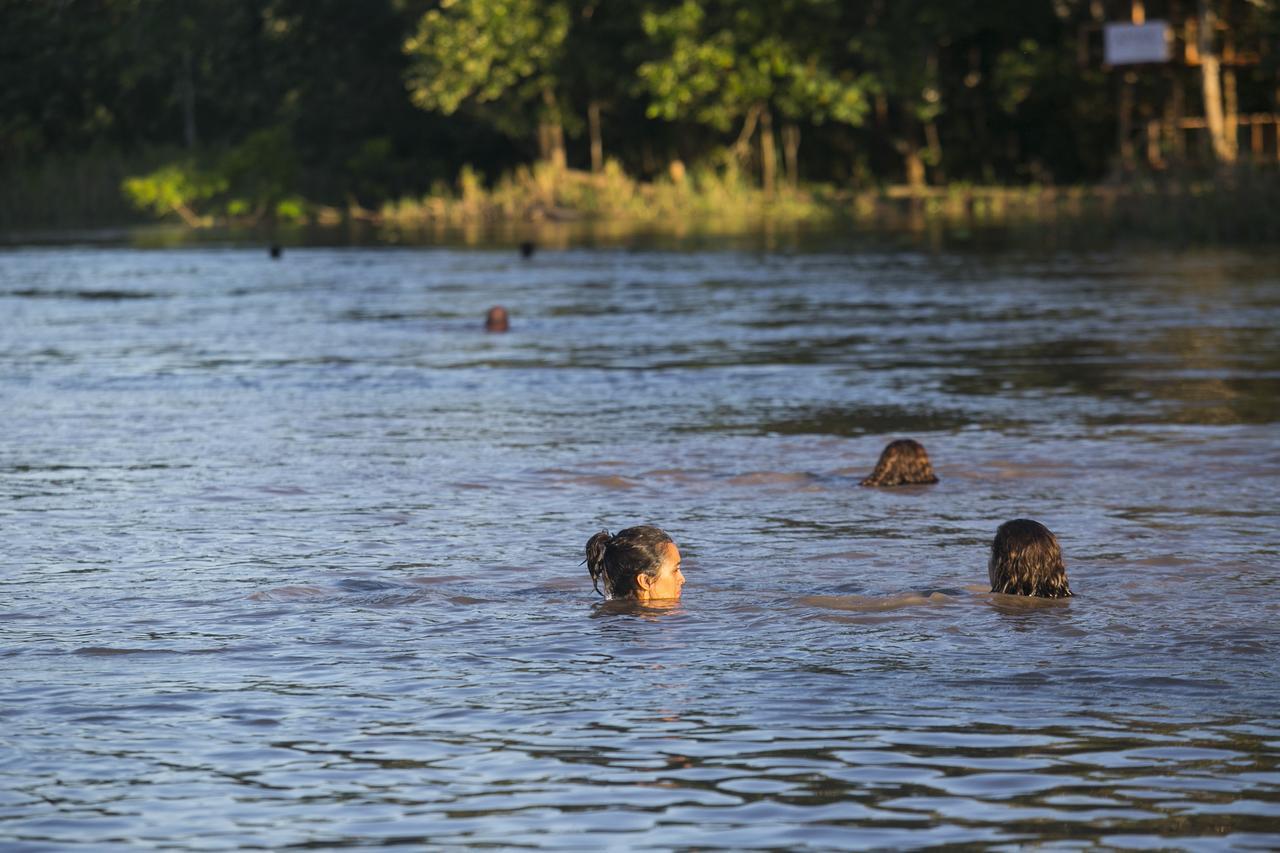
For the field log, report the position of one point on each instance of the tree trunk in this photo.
(597, 144)
(551, 132)
(913, 164)
(1210, 80)
(187, 88)
(935, 151)
(791, 153)
(768, 156)
(742, 145)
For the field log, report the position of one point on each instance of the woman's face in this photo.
(669, 580)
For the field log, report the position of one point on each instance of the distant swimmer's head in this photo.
(640, 563)
(497, 320)
(903, 462)
(1027, 560)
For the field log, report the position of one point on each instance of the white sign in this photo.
(1129, 44)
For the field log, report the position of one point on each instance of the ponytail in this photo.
(616, 561)
(596, 547)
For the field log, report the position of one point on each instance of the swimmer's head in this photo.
(1027, 560)
(496, 320)
(640, 562)
(902, 463)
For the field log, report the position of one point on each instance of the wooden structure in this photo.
(1187, 110)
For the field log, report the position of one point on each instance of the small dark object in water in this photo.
(497, 320)
(527, 249)
(641, 562)
(902, 463)
(276, 251)
(1027, 560)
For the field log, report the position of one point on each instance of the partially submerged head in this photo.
(641, 563)
(497, 320)
(903, 462)
(1027, 560)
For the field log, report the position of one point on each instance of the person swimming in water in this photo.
(1027, 560)
(903, 462)
(497, 320)
(640, 563)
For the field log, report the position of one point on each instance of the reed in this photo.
(543, 194)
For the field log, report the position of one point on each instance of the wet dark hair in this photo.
(619, 560)
(1027, 560)
(903, 461)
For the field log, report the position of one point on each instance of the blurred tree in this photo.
(361, 102)
(499, 58)
(600, 68)
(728, 64)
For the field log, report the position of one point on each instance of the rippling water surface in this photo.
(291, 549)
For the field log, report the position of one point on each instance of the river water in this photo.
(292, 548)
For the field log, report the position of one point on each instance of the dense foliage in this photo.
(342, 102)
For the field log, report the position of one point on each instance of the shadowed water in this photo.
(292, 549)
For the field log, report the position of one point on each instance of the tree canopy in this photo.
(337, 100)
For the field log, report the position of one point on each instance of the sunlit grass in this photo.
(1236, 207)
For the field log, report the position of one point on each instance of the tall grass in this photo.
(1240, 206)
(705, 197)
(1237, 207)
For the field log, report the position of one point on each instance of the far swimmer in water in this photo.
(1027, 560)
(640, 563)
(903, 462)
(497, 320)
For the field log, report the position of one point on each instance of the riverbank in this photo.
(1238, 207)
(1232, 208)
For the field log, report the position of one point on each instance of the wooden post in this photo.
(1154, 157)
(1124, 127)
(1230, 112)
(1173, 111)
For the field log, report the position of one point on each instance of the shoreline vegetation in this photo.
(1235, 206)
(687, 116)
